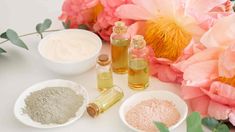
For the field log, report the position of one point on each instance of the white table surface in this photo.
(20, 69)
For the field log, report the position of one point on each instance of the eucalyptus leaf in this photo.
(41, 27)
(161, 127)
(221, 128)
(14, 39)
(194, 122)
(2, 51)
(83, 26)
(210, 122)
(38, 28)
(4, 35)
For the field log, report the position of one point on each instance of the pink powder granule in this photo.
(142, 115)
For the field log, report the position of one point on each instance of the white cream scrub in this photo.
(68, 47)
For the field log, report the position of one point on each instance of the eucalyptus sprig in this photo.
(214, 125)
(14, 38)
(194, 124)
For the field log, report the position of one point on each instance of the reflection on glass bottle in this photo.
(119, 48)
(104, 73)
(105, 101)
(138, 71)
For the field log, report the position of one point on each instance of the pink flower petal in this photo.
(221, 34)
(223, 90)
(151, 6)
(130, 11)
(136, 28)
(165, 73)
(191, 92)
(202, 6)
(227, 63)
(201, 74)
(218, 111)
(232, 117)
(205, 55)
(222, 93)
(200, 104)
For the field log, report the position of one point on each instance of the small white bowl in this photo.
(163, 95)
(20, 103)
(77, 66)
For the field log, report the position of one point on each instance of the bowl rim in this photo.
(122, 114)
(36, 87)
(69, 30)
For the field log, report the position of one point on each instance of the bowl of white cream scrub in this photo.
(71, 51)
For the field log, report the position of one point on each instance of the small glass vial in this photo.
(104, 73)
(120, 41)
(105, 101)
(138, 71)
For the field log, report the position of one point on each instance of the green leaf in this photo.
(4, 35)
(194, 122)
(210, 122)
(161, 127)
(41, 27)
(221, 128)
(83, 26)
(14, 38)
(67, 24)
(2, 51)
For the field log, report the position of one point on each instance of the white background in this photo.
(20, 69)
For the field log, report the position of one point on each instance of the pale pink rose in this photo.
(201, 73)
(196, 16)
(79, 12)
(107, 18)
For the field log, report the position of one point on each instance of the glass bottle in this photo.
(104, 73)
(138, 71)
(119, 48)
(105, 101)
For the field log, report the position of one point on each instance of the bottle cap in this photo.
(103, 60)
(138, 41)
(93, 110)
(119, 27)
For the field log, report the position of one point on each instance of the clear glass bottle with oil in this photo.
(120, 41)
(138, 70)
(105, 101)
(104, 73)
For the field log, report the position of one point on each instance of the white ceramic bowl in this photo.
(163, 95)
(20, 103)
(74, 67)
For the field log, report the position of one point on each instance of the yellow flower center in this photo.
(166, 37)
(229, 81)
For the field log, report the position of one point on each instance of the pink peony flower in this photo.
(107, 18)
(186, 20)
(80, 12)
(209, 75)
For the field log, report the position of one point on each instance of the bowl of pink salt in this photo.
(141, 110)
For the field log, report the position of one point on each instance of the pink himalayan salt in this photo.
(142, 115)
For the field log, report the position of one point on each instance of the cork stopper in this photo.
(138, 41)
(93, 110)
(103, 60)
(119, 27)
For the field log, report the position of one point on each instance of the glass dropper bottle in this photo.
(120, 41)
(104, 73)
(105, 101)
(138, 71)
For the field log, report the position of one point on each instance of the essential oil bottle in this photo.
(105, 101)
(104, 73)
(120, 41)
(138, 71)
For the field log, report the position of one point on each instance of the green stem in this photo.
(54, 30)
